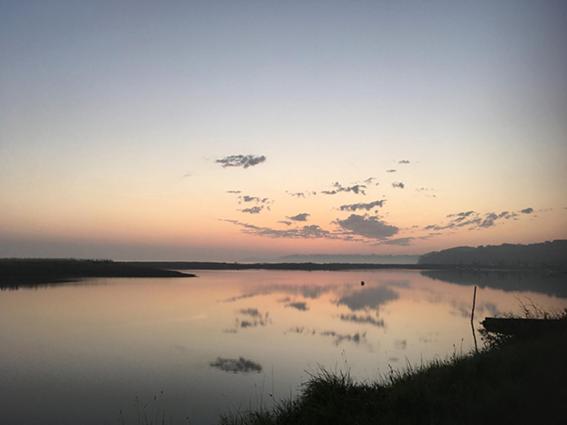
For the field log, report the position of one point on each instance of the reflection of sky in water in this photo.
(229, 340)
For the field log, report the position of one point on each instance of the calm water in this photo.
(85, 352)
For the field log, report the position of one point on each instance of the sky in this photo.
(231, 130)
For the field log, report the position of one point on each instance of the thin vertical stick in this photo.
(473, 304)
(472, 319)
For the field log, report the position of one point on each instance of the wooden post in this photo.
(473, 304)
(472, 319)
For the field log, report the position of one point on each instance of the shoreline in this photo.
(16, 273)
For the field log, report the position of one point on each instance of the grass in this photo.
(511, 381)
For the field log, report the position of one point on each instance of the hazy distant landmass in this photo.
(350, 259)
(553, 253)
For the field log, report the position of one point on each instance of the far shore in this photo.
(212, 265)
(18, 272)
(23, 272)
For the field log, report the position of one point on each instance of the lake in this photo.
(119, 350)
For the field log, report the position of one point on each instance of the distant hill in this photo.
(552, 253)
(350, 259)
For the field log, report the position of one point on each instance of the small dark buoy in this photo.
(362, 283)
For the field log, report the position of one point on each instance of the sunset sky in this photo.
(252, 129)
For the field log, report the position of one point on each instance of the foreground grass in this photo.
(519, 382)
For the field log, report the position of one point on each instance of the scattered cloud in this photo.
(304, 194)
(256, 199)
(296, 194)
(370, 180)
(403, 161)
(233, 191)
(253, 210)
(299, 217)
(398, 185)
(243, 161)
(527, 211)
(312, 231)
(286, 222)
(476, 221)
(261, 204)
(490, 219)
(356, 188)
(391, 170)
(460, 216)
(367, 226)
(362, 206)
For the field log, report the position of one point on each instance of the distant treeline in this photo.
(22, 272)
(546, 254)
(205, 265)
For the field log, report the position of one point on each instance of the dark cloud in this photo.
(253, 210)
(240, 365)
(490, 219)
(370, 180)
(356, 188)
(296, 194)
(367, 226)
(256, 199)
(312, 231)
(243, 161)
(460, 216)
(287, 223)
(299, 217)
(362, 206)
(475, 220)
(369, 298)
(403, 161)
(304, 194)
(261, 203)
(298, 305)
(398, 185)
(367, 319)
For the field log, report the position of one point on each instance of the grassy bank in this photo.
(15, 273)
(512, 382)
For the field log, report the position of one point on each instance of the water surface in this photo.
(109, 351)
